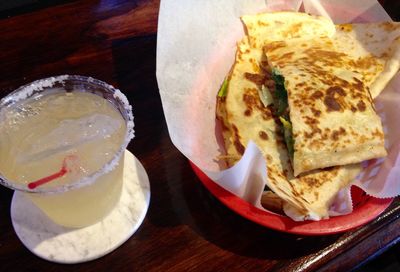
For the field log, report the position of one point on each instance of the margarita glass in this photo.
(62, 143)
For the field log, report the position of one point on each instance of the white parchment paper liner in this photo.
(196, 45)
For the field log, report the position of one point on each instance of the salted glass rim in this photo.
(39, 86)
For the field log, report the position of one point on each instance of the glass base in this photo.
(59, 244)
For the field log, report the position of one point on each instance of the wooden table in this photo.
(186, 228)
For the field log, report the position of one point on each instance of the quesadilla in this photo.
(329, 108)
(246, 113)
(322, 88)
(255, 103)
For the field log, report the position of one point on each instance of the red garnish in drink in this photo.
(66, 167)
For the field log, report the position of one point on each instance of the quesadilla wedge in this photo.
(329, 109)
(246, 113)
(283, 25)
(322, 88)
(377, 49)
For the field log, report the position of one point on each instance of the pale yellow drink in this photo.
(38, 134)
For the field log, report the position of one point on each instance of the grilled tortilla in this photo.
(278, 26)
(331, 111)
(375, 47)
(330, 119)
(247, 114)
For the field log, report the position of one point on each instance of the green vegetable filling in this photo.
(280, 93)
(224, 88)
(287, 133)
(281, 106)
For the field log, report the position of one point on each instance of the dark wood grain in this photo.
(186, 228)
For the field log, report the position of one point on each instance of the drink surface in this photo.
(39, 134)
